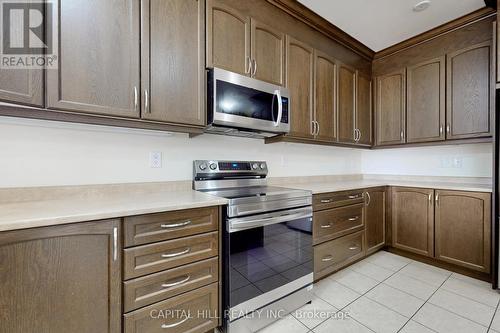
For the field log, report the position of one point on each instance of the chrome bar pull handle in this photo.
(327, 258)
(176, 254)
(254, 67)
(173, 284)
(355, 218)
(248, 69)
(325, 201)
(146, 101)
(115, 243)
(175, 324)
(369, 198)
(176, 225)
(326, 226)
(352, 248)
(136, 99)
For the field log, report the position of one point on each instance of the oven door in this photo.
(269, 257)
(243, 102)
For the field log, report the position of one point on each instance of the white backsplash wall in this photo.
(469, 160)
(45, 153)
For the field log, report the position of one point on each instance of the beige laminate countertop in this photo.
(30, 214)
(345, 185)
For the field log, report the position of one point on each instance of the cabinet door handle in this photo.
(136, 99)
(437, 198)
(171, 255)
(146, 101)
(369, 198)
(326, 226)
(254, 67)
(173, 284)
(313, 127)
(175, 324)
(352, 248)
(440, 129)
(355, 218)
(115, 243)
(359, 134)
(317, 128)
(448, 128)
(248, 70)
(175, 225)
(325, 201)
(327, 258)
(402, 135)
(430, 198)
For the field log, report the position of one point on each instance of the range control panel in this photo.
(212, 168)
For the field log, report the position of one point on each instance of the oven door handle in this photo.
(277, 93)
(243, 224)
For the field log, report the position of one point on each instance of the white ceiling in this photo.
(382, 23)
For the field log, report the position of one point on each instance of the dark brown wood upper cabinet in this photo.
(173, 61)
(267, 53)
(61, 279)
(23, 86)
(390, 108)
(364, 109)
(228, 38)
(469, 92)
(98, 64)
(347, 103)
(299, 81)
(374, 214)
(413, 220)
(325, 105)
(463, 229)
(426, 101)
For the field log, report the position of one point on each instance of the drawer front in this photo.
(337, 199)
(159, 286)
(152, 228)
(333, 223)
(152, 258)
(335, 254)
(193, 312)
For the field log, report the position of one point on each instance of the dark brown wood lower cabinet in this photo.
(61, 279)
(413, 220)
(463, 229)
(374, 213)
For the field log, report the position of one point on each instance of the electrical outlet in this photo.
(457, 162)
(155, 159)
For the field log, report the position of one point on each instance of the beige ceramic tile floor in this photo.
(390, 293)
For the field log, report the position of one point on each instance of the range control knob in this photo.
(263, 166)
(213, 166)
(255, 166)
(202, 166)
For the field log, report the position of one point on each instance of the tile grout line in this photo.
(424, 304)
(471, 299)
(494, 314)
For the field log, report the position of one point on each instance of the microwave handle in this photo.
(280, 107)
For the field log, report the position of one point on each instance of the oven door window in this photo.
(268, 257)
(247, 102)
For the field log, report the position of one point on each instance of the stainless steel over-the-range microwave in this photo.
(244, 106)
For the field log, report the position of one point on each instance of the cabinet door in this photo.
(61, 279)
(463, 229)
(228, 38)
(390, 108)
(469, 93)
(347, 100)
(364, 109)
(413, 220)
(426, 101)
(299, 81)
(23, 86)
(98, 68)
(325, 106)
(173, 61)
(374, 219)
(267, 53)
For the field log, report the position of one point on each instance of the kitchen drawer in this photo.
(152, 258)
(335, 254)
(194, 312)
(151, 228)
(156, 287)
(337, 199)
(333, 223)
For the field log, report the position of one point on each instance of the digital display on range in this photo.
(225, 166)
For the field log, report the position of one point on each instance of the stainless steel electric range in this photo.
(267, 245)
